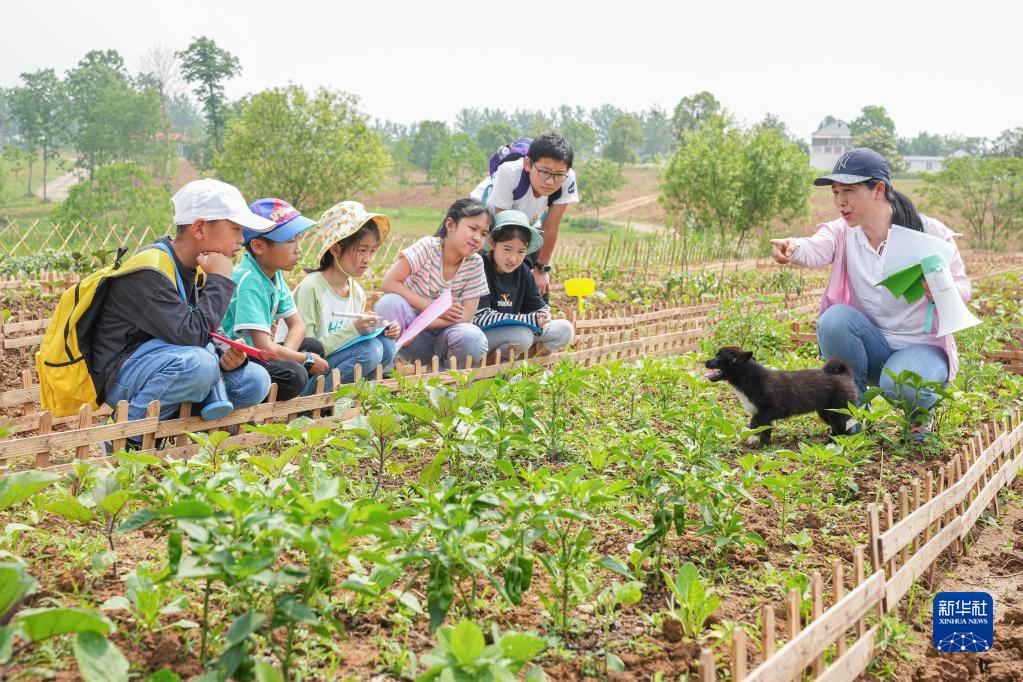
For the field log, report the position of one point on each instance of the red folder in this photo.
(262, 355)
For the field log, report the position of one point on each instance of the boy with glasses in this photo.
(542, 185)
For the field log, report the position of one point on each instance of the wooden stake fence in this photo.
(928, 525)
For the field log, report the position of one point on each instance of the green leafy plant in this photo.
(382, 431)
(148, 601)
(906, 409)
(18, 487)
(106, 502)
(790, 490)
(98, 659)
(463, 654)
(611, 598)
(568, 531)
(450, 544)
(690, 601)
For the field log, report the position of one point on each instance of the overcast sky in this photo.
(937, 66)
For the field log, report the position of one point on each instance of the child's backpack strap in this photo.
(177, 274)
(523, 186)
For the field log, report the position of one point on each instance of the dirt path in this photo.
(616, 212)
(994, 564)
(58, 188)
(629, 205)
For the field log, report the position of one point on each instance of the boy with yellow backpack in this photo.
(140, 330)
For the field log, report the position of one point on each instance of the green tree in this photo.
(601, 118)
(161, 73)
(207, 67)
(1009, 143)
(581, 136)
(773, 122)
(16, 159)
(122, 195)
(97, 78)
(532, 122)
(182, 113)
(872, 116)
(735, 181)
(625, 136)
(472, 120)
(984, 195)
(311, 150)
(7, 189)
(459, 161)
(8, 127)
(691, 113)
(40, 105)
(826, 121)
(425, 139)
(601, 178)
(114, 118)
(924, 144)
(123, 125)
(974, 146)
(658, 135)
(882, 142)
(401, 160)
(493, 134)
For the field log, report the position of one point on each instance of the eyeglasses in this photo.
(550, 175)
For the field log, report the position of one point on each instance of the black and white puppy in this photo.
(768, 394)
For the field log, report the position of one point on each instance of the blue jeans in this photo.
(458, 340)
(371, 353)
(844, 332)
(172, 374)
(555, 336)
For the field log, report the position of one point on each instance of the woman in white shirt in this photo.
(861, 323)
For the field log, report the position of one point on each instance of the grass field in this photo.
(15, 202)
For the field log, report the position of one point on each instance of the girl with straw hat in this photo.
(331, 301)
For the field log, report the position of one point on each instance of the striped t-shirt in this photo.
(427, 278)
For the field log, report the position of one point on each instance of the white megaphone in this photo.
(953, 315)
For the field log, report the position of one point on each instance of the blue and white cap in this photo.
(857, 165)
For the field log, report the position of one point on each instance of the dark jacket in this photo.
(146, 305)
(513, 295)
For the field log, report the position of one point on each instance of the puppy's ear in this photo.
(745, 357)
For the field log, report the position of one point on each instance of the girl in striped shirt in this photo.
(447, 260)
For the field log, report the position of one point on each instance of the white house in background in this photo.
(929, 164)
(829, 143)
(922, 164)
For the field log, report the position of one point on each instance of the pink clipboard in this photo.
(264, 355)
(423, 320)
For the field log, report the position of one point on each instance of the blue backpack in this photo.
(513, 152)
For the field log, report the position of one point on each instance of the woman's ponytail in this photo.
(903, 211)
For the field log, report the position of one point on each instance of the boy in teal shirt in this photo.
(262, 298)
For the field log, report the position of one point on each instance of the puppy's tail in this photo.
(836, 366)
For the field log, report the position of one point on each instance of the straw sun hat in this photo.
(345, 219)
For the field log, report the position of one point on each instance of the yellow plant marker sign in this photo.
(580, 287)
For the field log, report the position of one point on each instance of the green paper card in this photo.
(907, 283)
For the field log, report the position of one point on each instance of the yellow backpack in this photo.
(64, 379)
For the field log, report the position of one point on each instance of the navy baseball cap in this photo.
(287, 221)
(857, 165)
